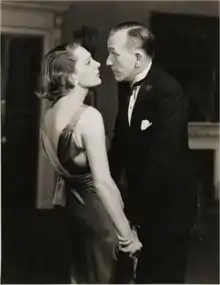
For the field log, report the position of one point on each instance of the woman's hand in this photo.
(131, 245)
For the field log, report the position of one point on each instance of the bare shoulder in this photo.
(49, 119)
(55, 121)
(92, 122)
(91, 116)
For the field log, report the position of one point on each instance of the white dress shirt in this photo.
(134, 95)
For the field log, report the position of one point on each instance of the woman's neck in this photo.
(74, 97)
(78, 94)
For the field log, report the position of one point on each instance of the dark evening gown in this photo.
(92, 238)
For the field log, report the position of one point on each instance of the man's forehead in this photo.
(117, 39)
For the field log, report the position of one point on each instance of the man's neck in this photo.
(143, 72)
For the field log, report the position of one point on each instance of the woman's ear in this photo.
(73, 79)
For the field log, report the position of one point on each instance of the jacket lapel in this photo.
(142, 97)
(124, 90)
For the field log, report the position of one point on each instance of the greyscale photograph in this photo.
(110, 153)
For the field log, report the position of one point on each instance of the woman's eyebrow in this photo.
(88, 57)
(112, 49)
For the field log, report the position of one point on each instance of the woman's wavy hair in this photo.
(57, 67)
(59, 64)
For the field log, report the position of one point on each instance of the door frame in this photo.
(40, 20)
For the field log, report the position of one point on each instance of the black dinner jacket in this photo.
(159, 152)
(161, 192)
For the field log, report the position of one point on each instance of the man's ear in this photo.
(138, 59)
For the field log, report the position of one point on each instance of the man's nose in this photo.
(108, 61)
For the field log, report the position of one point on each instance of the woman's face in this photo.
(86, 68)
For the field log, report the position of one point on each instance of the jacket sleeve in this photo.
(116, 158)
(170, 136)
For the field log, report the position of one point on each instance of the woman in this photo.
(74, 140)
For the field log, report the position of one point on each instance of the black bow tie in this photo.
(133, 86)
(138, 83)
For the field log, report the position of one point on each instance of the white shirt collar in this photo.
(143, 74)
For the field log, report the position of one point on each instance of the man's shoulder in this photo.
(165, 80)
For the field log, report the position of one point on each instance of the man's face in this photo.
(121, 59)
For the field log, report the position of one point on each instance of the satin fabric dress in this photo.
(92, 238)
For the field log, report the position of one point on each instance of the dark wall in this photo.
(104, 15)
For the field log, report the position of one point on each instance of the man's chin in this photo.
(118, 78)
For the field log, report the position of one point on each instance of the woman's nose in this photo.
(98, 64)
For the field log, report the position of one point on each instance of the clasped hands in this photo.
(132, 245)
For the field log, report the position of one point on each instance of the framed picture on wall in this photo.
(187, 46)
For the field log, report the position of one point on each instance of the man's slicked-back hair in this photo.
(140, 34)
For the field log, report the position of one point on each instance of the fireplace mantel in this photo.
(205, 135)
(204, 129)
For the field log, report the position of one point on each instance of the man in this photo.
(151, 143)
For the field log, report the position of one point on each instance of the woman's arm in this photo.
(94, 140)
